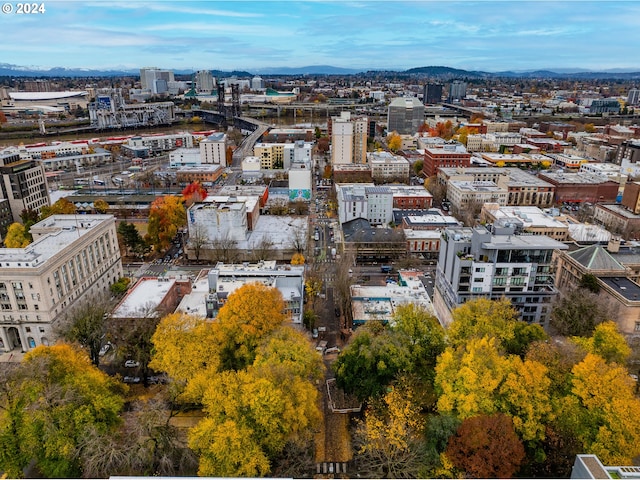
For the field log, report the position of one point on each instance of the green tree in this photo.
(577, 313)
(417, 167)
(17, 236)
(590, 282)
(131, 237)
(371, 361)
(486, 446)
(423, 336)
(49, 403)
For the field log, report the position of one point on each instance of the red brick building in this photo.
(581, 187)
(447, 156)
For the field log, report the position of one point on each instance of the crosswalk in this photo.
(325, 468)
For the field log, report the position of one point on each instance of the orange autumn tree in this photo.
(443, 130)
(192, 193)
(167, 215)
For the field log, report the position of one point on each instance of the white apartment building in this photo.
(348, 139)
(205, 83)
(224, 279)
(491, 142)
(213, 149)
(162, 143)
(184, 157)
(218, 219)
(388, 167)
(364, 200)
(73, 259)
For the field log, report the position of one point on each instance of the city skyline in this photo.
(253, 35)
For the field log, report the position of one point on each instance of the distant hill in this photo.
(308, 70)
(7, 70)
(437, 72)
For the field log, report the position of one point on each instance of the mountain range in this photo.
(435, 72)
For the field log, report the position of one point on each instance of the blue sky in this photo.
(484, 35)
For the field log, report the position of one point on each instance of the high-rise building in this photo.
(432, 93)
(23, 183)
(213, 149)
(405, 115)
(72, 260)
(155, 79)
(257, 83)
(634, 97)
(348, 139)
(205, 83)
(457, 90)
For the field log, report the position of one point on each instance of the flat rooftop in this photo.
(624, 287)
(51, 235)
(144, 298)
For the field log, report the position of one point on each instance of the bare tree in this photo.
(198, 237)
(86, 324)
(299, 240)
(225, 249)
(263, 250)
(342, 285)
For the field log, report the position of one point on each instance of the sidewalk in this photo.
(14, 356)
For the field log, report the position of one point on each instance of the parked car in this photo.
(105, 348)
(131, 364)
(129, 379)
(154, 379)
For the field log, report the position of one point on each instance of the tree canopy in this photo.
(49, 403)
(166, 216)
(17, 236)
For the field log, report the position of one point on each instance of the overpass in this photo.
(470, 112)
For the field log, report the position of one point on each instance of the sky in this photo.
(369, 34)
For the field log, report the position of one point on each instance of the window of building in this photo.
(637, 327)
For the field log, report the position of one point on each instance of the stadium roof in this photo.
(35, 96)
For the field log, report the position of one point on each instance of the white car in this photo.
(105, 348)
(131, 364)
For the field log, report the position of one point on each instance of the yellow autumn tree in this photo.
(252, 414)
(186, 347)
(101, 206)
(60, 207)
(524, 395)
(16, 236)
(394, 141)
(389, 439)
(297, 259)
(604, 411)
(607, 342)
(251, 312)
(482, 317)
(469, 377)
